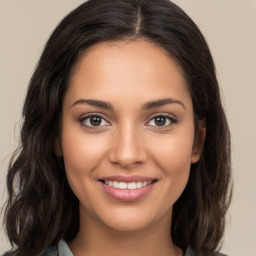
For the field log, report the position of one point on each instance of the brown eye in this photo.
(93, 121)
(161, 120)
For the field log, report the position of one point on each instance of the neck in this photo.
(95, 238)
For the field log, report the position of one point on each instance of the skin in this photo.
(128, 141)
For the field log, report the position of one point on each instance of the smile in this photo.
(126, 185)
(127, 188)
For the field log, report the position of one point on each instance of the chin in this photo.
(128, 225)
(132, 220)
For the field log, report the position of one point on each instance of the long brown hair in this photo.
(41, 208)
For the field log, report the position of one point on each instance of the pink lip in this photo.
(131, 178)
(127, 195)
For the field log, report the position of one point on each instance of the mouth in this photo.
(127, 188)
(127, 185)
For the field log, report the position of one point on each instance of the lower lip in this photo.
(127, 195)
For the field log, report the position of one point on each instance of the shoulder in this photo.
(189, 252)
(51, 251)
(61, 250)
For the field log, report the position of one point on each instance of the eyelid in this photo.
(172, 119)
(88, 115)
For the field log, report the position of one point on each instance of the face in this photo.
(127, 135)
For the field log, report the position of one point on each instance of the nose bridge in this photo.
(127, 146)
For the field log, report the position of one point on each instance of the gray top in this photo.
(64, 250)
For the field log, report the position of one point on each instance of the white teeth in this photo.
(139, 184)
(132, 185)
(122, 185)
(127, 185)
(115, 184)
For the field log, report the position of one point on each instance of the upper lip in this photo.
(131, 178)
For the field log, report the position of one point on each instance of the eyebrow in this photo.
(95, 103)
(162, 102)
(146, 106)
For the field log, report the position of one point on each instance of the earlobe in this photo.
(198, 142)
(58, 148)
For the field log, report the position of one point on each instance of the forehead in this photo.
(128, 54)
(127, 68)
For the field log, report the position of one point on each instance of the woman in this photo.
(125, 147)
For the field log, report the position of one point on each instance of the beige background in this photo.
(230, 29)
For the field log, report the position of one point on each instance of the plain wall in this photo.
(230, 29)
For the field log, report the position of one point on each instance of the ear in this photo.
(58, 148)
(198, 141)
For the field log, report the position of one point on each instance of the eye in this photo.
(93, 121)
(161, 120)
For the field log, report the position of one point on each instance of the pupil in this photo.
(160, 121)
(95, 120)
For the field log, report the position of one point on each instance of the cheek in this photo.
(173, 157)
(178, 156)
(175, 164)
(82, 152)
(174, 151)
(82, 155)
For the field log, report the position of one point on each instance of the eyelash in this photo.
(172, 121)
(91, 115)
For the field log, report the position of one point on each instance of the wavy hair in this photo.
(41, 208)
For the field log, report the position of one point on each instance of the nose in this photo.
(127, 148)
